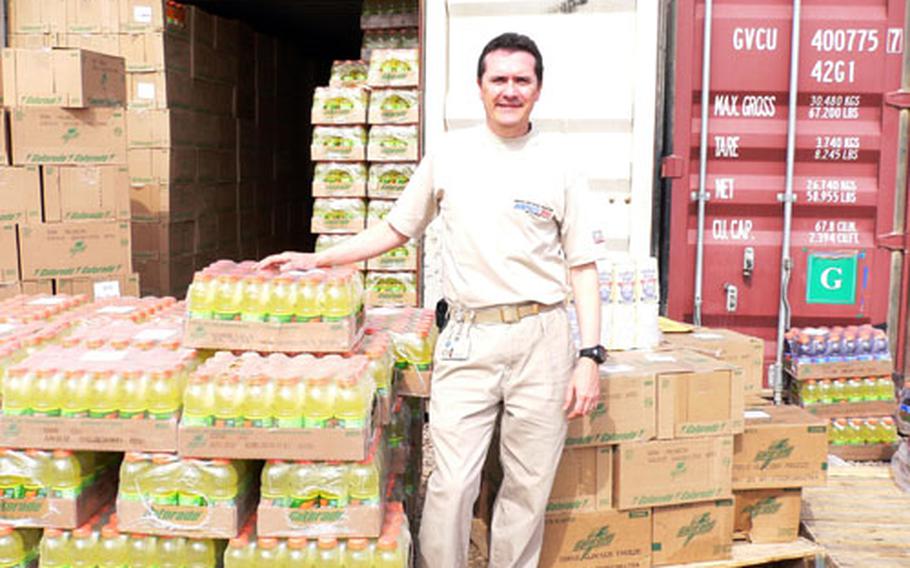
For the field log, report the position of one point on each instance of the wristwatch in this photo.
(598, 353)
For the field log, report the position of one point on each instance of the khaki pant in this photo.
(526, 366)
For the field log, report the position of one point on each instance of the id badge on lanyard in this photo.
(456, 345)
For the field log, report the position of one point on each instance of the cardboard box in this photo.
(63, 250)
(314, 337)
(63, 77)
(782, 446)
(214, 98)
(391, 289)
(28, 287)
(108, 44)
(92, 17)
(138, 16)
(160, 90)
(156, 202)
(339, 105)
(37, 16)
(163, 240)
(160, 128)
(584, 481)
(700, 532)
(393, 144)
(340, 179)
(803, 371)
(394, 68)
(706, 399)
(89, 434)
(92, 193)
(768, 515)
(352, 521)
(627, 409)
(5, 156)
(342, 444)
(394, 106)
(9, 253)
(98, 288)
(672, 472)
(162, 165)
(155, 51)
(735, 348)
(399, 258)
(606, 539)
(38, 41)
(169, 277)
(339, 144)
(187, 521)
(20, 195)
(57, 512)
(68, 136)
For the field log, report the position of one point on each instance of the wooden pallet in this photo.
(868, 452)
(860, 517)
(747, 554)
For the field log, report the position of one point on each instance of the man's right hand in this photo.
(288, 261)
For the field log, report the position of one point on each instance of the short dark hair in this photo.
(510, 41)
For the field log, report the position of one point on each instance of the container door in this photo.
(850, 58)
(599, 94)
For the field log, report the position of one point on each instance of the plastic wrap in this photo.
(393, 67)
(339, 179)
(393, 143)
(348, 73)
(339, 105)
(394, 106)
(338, 215)
(388, 180)
(339, 143)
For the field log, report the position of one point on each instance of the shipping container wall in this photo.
(849, 61)
(599, 95)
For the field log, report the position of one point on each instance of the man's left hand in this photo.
(584, 388)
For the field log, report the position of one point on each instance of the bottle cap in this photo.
(63, 453)
(267, 543)
(297, 543)
(357, 544)
(239, 542)
(325, 542)
(110, 532)
(386, 543)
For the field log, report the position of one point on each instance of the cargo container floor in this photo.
(860, 517)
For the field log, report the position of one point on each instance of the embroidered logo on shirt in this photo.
(534, 209)
(598, 237)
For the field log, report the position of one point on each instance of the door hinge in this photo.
(896, 242)
(898, 99)
(672, 166)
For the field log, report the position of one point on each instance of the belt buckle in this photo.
(509, 314)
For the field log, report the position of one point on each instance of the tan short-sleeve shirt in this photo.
(513, 217)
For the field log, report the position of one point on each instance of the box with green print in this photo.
(331, 498)
(44, 488)
(164, 494)
(93, 136)
(67, 250)
(782, 446)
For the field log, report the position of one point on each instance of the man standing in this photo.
(516, 233)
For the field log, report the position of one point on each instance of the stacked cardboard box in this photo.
(211, 166)
(845, 376)
(783, 449)
(67, 188)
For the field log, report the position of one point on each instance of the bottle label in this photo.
(34, 491)
(107, 414)
(74, 413)
(308, 501)
(254, 317)
(165, 498)
(16, 411)
(191, 500)
(12, 492)
(280, 318)
(315, 422)
(351, 423)
(132, 414)
(258, 422)
(46, 413)
(65, 492)
(165, 415)
(300, 318)
(226, 316)
(331, 501)
(231, 422)
(192, 420)
(290, 422)
(195, 314)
